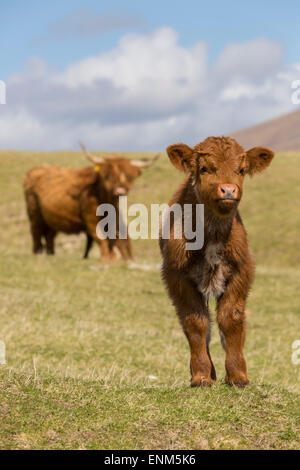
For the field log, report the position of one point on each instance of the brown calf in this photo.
(223, 267)
(66, 200)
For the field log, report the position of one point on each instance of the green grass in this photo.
(96, 358)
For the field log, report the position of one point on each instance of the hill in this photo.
(282, 133)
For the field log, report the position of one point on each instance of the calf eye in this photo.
(203, 169)
(242, 171)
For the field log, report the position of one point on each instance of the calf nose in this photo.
(227, 191)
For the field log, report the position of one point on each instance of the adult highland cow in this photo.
(65, 200)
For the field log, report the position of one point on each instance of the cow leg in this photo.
(104, 249)
(120, 244)
(36, 233)
(103, 243)
(36, 221)
(231, 320)
(124, 246)
(89, 243)
(129, 248)
(50, 236)
(103, 246)
(112, 243)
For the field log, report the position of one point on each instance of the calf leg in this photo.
(231, 320)
(194, 317)
(213, 370)
(195, 327)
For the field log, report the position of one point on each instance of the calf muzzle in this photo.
(227, 192)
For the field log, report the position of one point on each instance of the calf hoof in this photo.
(240, 381)
(201, 382)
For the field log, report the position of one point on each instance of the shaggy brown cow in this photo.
(223, 267)
(121, 179)
(65, 200)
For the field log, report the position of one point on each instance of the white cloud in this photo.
(252, 60)
(20, 127)
(145, 94)
(141, 61)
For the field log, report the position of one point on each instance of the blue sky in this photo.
(138, 75)
(26, 26)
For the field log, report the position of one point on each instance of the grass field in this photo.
(96, 358)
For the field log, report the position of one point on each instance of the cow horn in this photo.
(145, 162)
(94, 160)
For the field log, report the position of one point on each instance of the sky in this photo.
(140, 75)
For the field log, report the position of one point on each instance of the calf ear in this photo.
(258, 158)
(180, 155)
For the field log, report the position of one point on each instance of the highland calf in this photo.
(223, 268)
(66, 200)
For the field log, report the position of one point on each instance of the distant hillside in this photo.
(282, 133)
